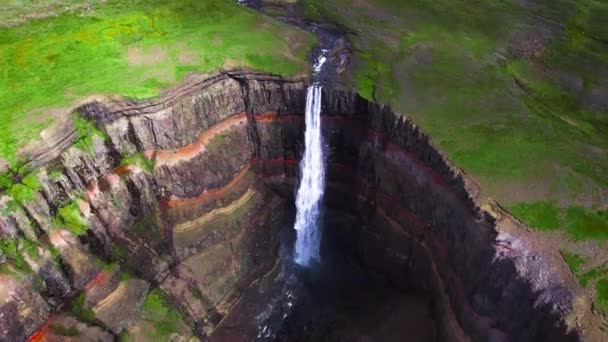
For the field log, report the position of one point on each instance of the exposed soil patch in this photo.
(138, 56)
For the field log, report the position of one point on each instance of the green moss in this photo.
(134, 48)
(540, 215)
(125, 276)
(86, 130)
(601, 287)
(507, 121)
(139, 160)
(593, 274)
(124, 337)
(70, 217)
(119, 252)
(166, 321)
(61, 330)
(24, 191)
(574, 261)
(14, 251)
(78, 309)
(39, 284)
(582, 223)
(55, 175)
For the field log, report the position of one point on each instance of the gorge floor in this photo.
(338, 299)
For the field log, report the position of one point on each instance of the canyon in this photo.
(204, 213)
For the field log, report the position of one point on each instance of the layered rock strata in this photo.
(196, 218)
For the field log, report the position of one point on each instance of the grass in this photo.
(24, 191)
(518, 122)
(134, 48)
(601, 288)
(501, 118)
(580, 223)
(597, 275)
(540, 215)
(11, 11)
(593, 274)
(70, 217)
(574, 261)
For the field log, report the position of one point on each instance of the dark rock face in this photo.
(202, 224)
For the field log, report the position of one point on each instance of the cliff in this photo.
(182, 197)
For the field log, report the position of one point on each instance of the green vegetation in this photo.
(601, 287)
(124, 337)
(86, 130)
(15, 11)
(79, 310)
(61, 330)
(133, 48)
(13, 251)
(70, 217)
(39, 284)
(575, 262)
(506, 91)
(119, 252)
(497, 105)
(216, 144)
(580, 223)
(149, 228)
(23, 191)
(140, 161)
(540, 215)
(157, 311)
(597, 276)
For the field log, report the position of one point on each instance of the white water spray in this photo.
(312, 183)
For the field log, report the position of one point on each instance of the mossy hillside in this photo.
(449, 65)
(515, 119)
(132, 48)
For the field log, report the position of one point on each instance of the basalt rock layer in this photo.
(197, 216)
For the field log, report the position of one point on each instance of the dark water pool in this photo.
(336, 300)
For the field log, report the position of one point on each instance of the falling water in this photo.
(312, 183)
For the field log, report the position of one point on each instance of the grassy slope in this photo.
(516, 122)
(133, 48)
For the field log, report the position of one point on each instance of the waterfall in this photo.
(312, 182)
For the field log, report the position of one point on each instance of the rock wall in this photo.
(196, 215)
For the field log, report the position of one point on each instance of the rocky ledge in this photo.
(166, 210)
